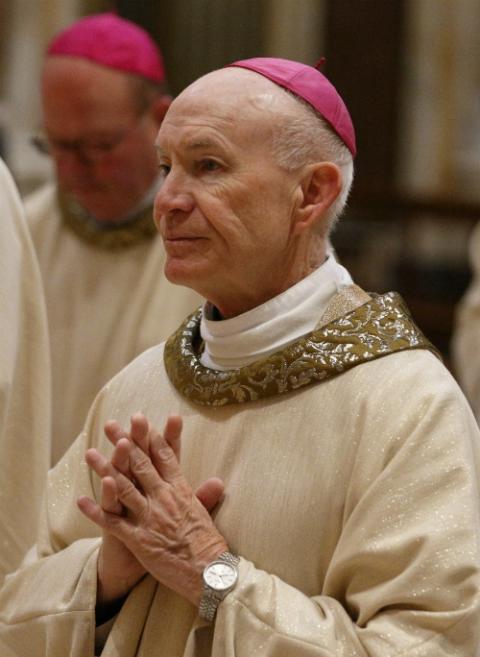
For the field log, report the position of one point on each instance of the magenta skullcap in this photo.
(308, 83)
(111, 41)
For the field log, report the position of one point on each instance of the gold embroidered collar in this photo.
(107, 235)
(379, 327)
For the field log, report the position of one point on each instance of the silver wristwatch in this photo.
(219, 578)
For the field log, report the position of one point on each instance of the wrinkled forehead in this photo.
(235, 93)
(233, 108)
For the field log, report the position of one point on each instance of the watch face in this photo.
(220, 576)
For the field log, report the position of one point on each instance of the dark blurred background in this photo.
(409, 71)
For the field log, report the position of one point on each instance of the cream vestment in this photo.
(350, 460)
(107, 302)
(24, 382)
(466, 335)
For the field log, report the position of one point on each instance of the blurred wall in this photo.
(198, 36)
(440, 120)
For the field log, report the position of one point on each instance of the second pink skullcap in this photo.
(111, 41)
(308, 83)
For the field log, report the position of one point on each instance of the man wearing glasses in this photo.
(104, 97)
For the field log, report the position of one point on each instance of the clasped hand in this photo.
(151, 519)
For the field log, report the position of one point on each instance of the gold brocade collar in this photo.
(107, 235)
(380, 326)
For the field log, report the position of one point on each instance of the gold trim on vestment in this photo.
(107, 235)
(381, 325)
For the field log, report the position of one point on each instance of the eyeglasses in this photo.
(87, 149)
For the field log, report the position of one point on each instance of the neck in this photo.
(241, 340)
(255, 294)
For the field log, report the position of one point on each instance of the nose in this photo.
(173, 196)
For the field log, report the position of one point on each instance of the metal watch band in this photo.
(228, 557)
(211, 599)
(208, 606)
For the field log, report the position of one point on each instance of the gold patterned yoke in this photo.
(111, 236)
(378, 326)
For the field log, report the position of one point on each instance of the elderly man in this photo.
(104, 98)
(24, 382)
(347, 454)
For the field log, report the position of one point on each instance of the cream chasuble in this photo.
(24, 383)
(351, 463)
(107, 301)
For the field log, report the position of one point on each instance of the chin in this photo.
(180, 274)
(103, 215)
(102, 208)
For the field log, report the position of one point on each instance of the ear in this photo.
(160, 107)
(320, 185)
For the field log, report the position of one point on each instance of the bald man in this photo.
(341, 454)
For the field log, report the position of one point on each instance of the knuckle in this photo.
(141, 464)
(125, 487)
(165, 452)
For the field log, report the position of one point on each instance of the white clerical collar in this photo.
(239, 341)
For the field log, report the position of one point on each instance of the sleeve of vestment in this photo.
(404, 577)
(47, 607)
(24, 382)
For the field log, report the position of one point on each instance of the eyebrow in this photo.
(195, 144)
(201, 143)
(160, 151)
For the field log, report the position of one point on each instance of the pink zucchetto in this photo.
(111, 41)
(308, 83)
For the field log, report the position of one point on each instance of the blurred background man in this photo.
(104, 97)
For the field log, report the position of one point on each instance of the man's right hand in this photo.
(118, 569)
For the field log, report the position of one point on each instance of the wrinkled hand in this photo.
(166, 529)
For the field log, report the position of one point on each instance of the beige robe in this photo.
(24, 382)
(104, 308)
(352, 502)
(466, 334)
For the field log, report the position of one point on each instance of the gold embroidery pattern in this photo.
(377, 328)
(108, 236)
